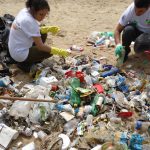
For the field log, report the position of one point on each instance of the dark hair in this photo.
(142, 3)
(36, 5)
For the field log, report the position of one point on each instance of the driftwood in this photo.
(27, 99)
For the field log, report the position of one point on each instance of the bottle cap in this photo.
(138, 125)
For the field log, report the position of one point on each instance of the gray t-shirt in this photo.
(142, 22)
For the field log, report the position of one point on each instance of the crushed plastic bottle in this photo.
(100, 41)
(66, 107)
(113, 71)
(94, 36)
(75, 97)
(136, 142)
(76, 48)
(70, 126)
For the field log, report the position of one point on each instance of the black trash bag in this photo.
(4, 35)
(5, 25)
(142, 43)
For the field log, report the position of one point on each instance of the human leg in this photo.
(142, 43)
(35, 56)
(130, 33)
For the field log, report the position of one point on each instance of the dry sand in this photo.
(77, 19)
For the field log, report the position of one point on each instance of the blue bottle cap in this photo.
(138, 125)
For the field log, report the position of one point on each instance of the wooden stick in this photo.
(27, 99)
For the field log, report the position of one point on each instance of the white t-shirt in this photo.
(142, 22)
(20, 39)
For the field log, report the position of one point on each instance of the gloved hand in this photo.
(120, 53)
(60, 52)
(118, 50)
(53, 29)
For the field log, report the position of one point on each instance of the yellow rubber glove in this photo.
(59, 51)
(53, 29)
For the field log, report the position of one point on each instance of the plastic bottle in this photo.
(136, 141)
(100, 41)
(89, 120)
(95, 65)
(115, 120)
(120, 59)
(80, 112)
(41, 135)
(12, 88)
(62, 96)
(93, 37)
(75, 97)
(66, 107)
(96, 104)
(124, 138)
(88, 80)
(109, 34)
(113, 71)
(99, 88)
(87, 109)
(143, 126)
(5, 81)
(76, 48)
(3, 112)
(70, 126)
(27, 132)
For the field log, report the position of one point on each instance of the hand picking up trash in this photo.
(27, 40)
(134, 28)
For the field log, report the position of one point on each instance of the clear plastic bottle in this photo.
(100, 41)
(88, 80)
(70, 126)
(76, 48)
(41, 135)
(89, 120)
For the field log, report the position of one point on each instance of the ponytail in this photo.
(36, 5)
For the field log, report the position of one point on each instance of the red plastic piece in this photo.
(99, 88)
(69, 74)
(125, 114)
(80, 76)
(77, 74)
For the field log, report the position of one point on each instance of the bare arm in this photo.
(40, 45)
(117, 34)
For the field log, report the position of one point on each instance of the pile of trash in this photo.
(98, 39)
(77, 103)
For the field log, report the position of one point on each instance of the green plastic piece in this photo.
(95, 109)
(107, 34)
(75, 100)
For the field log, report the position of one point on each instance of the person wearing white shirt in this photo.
(134, 24)
(26, 42)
